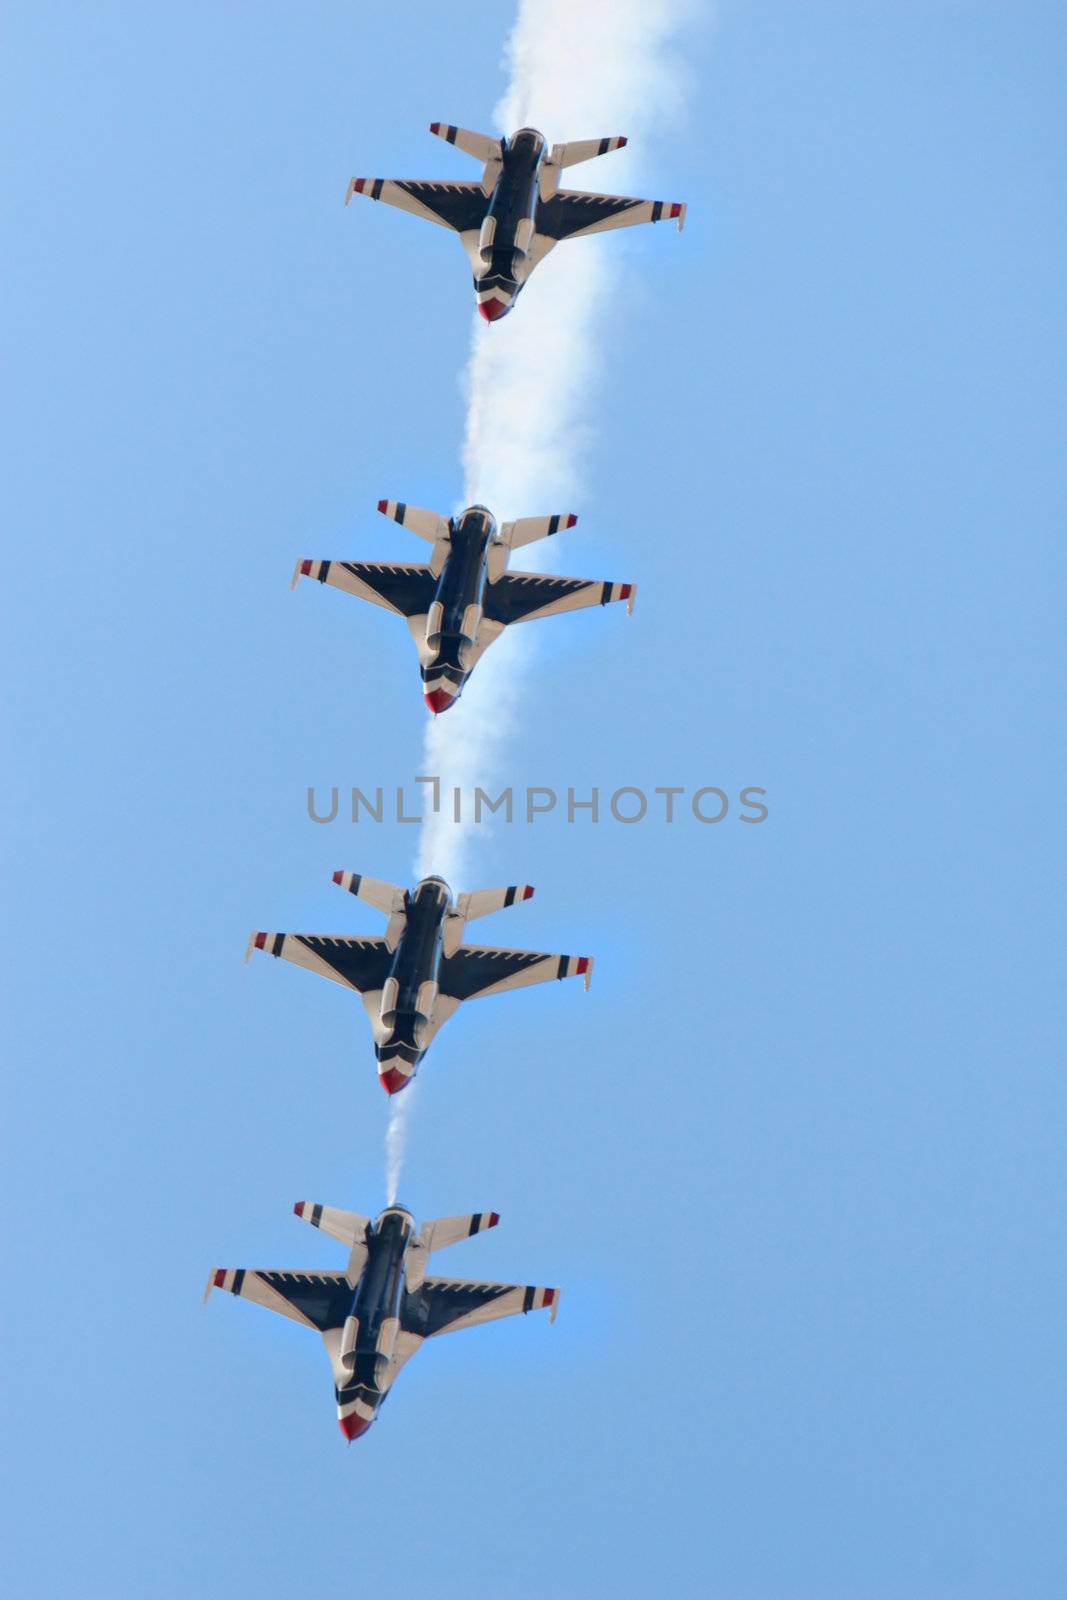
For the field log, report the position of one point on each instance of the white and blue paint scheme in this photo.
(415, 977)
(510, 221)
(458, 603)
(376, 1314)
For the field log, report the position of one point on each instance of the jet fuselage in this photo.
(377, 1305)
(507, 232)
(407, 1003)
(452, 632)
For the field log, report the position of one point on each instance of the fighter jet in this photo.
(464, 598)
(421, 972)
(509, 221)
(376, 1314)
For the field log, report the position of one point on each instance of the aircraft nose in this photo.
(354, 1426)
(493, 309)
(393, 1080)
(439, 700)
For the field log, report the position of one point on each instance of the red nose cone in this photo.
(393, 1080)
(493, 309)
(353, 1426)
(439, 700)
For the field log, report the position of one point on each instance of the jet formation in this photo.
(510, 220)
(463, 598)
(375, 1314)
(416, 976)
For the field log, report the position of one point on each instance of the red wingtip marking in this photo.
(583, 962)
(299, 1208)
(550, 1295)
(383, 505)
(494, 1218)
(624, 591)
(357, 184)
(623, 140)
(337, 877)
(352, 1427)
(676, 211)
(435, 127)
(571, 520)
(305, 567)
(220, 1277)
(527, 893)
(261, 939)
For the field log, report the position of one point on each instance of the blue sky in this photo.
(796, 1160)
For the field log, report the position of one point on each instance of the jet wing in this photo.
(445, 1305)
(407, 590)
(571, 214)
(476, 970)
(459, 206)
(361, 964)
(522, 596)
(318, 1300)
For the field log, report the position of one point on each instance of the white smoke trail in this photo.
(401, 1107)
(579, 69)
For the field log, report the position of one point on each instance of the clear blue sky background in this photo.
(797, 1159)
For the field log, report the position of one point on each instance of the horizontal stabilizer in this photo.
(450, 1230)
(386, 897)
(479, 145)
(482, 902)
(527, 529)
(428, 525)
(569, 155)
(347, 1226)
